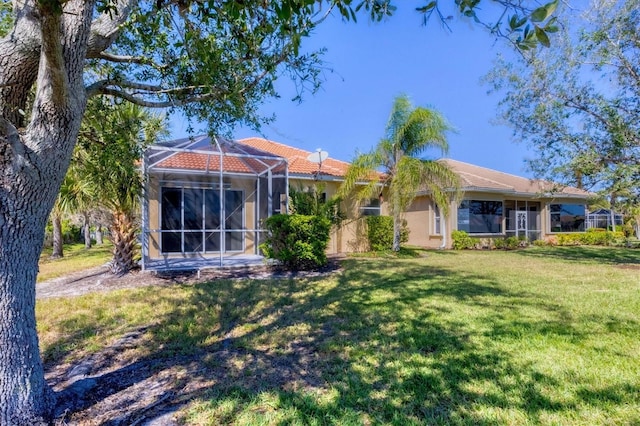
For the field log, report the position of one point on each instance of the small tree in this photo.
(313, 202)
(112, 140)
(409, 133)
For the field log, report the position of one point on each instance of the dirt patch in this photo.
(631, 266)
(101, 280)
(114, 387)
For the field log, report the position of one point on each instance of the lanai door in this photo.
(523, 219)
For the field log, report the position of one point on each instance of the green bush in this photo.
(297, 241)
(593, 237)
(511, 243)
(380, 232)
(499, 243)
(461, 240)
(70, 233)
(313, 202)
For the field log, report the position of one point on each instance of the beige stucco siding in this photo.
(542, 204)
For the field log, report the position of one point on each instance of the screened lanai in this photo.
(205, 200)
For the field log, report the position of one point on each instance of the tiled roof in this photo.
(478, 178)
(269, 153)
(193, 161)
(200, 153)
(298, 163)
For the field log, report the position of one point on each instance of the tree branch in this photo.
(151, 104)
(10, 132)
(140, 88)
(106, 27)
(606, 123)
(52, 60)
(125, 59)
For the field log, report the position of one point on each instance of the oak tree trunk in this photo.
(58, 239)
(45, 51)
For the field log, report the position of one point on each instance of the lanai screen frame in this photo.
(262, 164)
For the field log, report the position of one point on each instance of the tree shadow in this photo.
(584, 254)
(370, 339)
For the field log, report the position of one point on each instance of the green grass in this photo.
(76, 258)
(536, 336)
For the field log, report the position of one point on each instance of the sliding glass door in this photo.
(191, 221)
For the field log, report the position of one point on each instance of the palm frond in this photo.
(409, 133)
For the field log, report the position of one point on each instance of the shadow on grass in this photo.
(584, 254)
(367, 347)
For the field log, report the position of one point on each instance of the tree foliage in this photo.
(112, 140)
(578, 104)
(313, 202)
(410, 133)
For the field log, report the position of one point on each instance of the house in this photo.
(206, 198)
(498, 204)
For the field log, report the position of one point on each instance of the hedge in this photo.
(380, 232)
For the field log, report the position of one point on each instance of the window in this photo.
(372, 208)
(436, 220)
(191, 220)
(567, 217)
(480, 217)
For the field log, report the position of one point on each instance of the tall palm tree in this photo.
(410, 132)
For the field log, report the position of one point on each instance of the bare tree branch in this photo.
(53, 57)
(106, 27)
(141, 88)
(125, 59)
(152, 104)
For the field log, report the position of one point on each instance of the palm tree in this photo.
(410, 132)
(113, 138)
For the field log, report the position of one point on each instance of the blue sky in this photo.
(372, 63)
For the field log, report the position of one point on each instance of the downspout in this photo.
(443, 226)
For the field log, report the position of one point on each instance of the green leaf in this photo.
(551, 26)
(542, 37)
(544, 12)
(427, 8)
(521, 22)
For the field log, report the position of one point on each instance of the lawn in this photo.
(76, 258)
(537, 336)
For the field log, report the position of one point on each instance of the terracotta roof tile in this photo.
(473, 177)
(195, 161)
(298, 163)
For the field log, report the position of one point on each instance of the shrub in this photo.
(593, 237)
(541, 243)
(511, 243)
(313, 202)
(297, 241)
(380, 232)
(71, 233)
(461, 240)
